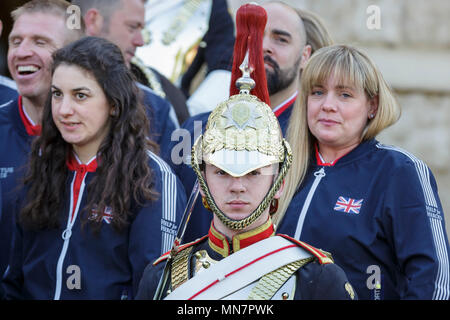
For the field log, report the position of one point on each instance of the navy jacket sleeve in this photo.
(181, 146)
(12, 281)
(415, 217)
(180, 162)
(150, 281)
(161, 123)
(159, 217)
(8, 91)
(323, 282)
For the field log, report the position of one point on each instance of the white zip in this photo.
(67, 233)
(319, 175)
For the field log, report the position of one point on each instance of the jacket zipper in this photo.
(319, 174)
(67, 233)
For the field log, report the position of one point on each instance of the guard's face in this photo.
(238, 197)
(80, 109)
(125, 27)
(33, 39)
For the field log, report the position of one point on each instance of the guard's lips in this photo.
(237, 202)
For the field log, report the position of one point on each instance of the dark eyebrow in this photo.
(280, 32)
(81, 89)
(73, 90)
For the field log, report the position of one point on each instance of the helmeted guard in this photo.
(241, 161)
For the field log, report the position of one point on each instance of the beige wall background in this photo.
(412, 49)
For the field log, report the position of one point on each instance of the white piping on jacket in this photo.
(319, 174)
(169, 200)
(442, 282)
(67, 233)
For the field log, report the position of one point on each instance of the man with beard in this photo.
(290, 37)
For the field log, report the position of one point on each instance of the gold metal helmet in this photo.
(242, 133)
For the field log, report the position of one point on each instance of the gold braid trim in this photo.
(243, 223)
(179, 272)
(269, 284)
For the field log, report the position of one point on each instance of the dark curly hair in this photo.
(123, 176)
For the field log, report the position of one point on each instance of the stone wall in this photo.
(411, 46)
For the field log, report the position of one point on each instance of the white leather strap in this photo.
(239, 270)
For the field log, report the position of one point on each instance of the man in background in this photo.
(121, 22)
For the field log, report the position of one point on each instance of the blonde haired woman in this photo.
(376, 207)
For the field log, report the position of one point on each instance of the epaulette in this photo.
(180, 248)
(324, 257)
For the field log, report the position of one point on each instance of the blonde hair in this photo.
(349, 66)
(317, 35)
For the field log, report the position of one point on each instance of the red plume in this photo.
(250, 24)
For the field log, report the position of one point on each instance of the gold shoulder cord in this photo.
(179, 272)
(269, 284)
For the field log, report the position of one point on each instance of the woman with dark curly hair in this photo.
(98, 204)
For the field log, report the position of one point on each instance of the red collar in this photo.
(32, 130)
(278, 110)
(75, 165)
(219, 243)
(80, 173)
(325, 164)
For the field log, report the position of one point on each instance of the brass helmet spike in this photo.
(245, 83)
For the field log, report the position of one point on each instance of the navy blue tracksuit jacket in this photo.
(377, 210)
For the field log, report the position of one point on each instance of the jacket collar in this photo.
(278, 110)
(353, 155)
(32, 130)
(74, 164)
(220, 243)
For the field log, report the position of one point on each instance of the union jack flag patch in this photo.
(107, 215)
(348, 205)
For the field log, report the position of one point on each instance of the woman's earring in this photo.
(114, 112)
(371, 116)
